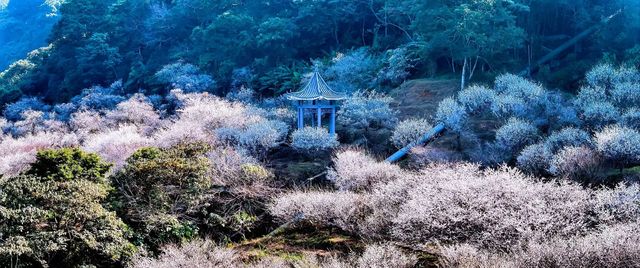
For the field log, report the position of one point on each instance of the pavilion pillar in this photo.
(332, 123)
(319, 117)
(300, 117)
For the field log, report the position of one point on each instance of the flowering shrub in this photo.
(116, 145)
(515, 135)
(567, 137)
(99, 98)
(409, 131)
(619, 144)
(600, 114)
(535, 159)
(476, 98)
(186, 77)
(18, 153)
(136, 111)
(311, 139)
(345, 210)
(367, 110)
(14, 111)
(192, 254)
(576, 163)
(614, 246)
(355, 171)
(452, 114)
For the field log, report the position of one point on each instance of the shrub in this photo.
(310, 139)
(476, 98)
(18, 153)
(367, 110)
(355, 171)
(186, 77)
(505, 106)
(493, 208)
(631, 118)
(345, 210)
(14, 111)
(409, 131)
(99, 98)
(614, 246)
(136, 111)
(159, 188)
(86, 122)
(618, 205)
(567, 137)
(58, 219)
(576, 163)
(385, 255)
(515, 135)
(116, 145)
(626, 94)
(535, 159)
(600, 114)
(619, 145)
(519, 87)
(193, 254)
(452, 114)
(262, 135)
(68, 164)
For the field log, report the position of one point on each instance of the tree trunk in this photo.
(464, 74)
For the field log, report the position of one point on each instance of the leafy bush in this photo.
(397, 66)
(64, 223)
(68, 164)
(310, 139)
(352, 71)
(409, 131)
(159, 188)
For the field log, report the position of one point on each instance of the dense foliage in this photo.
(154, 133)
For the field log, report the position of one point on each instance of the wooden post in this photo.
(319, 117)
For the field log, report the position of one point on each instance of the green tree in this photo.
(54, 214)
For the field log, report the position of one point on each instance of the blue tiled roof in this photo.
(316, 89)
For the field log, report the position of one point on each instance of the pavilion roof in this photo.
(316, 89)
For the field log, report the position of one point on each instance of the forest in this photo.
(468, 133)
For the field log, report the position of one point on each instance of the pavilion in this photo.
(319, 98)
